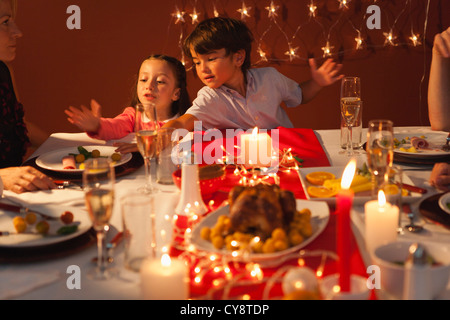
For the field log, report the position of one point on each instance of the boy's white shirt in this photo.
(224, 108)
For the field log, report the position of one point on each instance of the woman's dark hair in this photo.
(184, 102)
(220, 33)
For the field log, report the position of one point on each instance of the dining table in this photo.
(43, 272)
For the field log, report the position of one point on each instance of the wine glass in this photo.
(146, 129)
(380, 152)
(350, 96)
(350, 109)
(98, 185)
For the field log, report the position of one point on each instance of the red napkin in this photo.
(303, 143)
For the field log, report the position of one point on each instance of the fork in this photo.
(446, 146)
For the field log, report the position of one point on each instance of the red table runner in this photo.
(304, 145)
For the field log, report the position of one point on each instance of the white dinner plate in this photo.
(53, 160)
(359, 199)
(320, 215)
(435, 140)
(444, 202)
(31, 238)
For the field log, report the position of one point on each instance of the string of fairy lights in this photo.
(398, 25)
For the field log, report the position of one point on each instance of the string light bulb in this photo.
(415, 39)
(343, 4)
(359, 41)
(194, 16)
(272, 9)
(244, 11)
(179, 15)
(216, 13)
(312, 9)
(262, 54)
(292, 53)
(389, 38)
(327, 50)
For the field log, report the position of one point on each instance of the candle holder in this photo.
(358, 288)
(191, 200)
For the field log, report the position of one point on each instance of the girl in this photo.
(161, 80)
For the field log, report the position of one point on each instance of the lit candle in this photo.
(164, 279)
(256, 149)
(381, 220)
(344, 201)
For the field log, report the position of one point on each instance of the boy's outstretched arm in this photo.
(186, 121)
(325, 75)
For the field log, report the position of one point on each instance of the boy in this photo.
(236, 96)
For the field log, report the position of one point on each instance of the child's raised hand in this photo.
(85, 119)
(327, 73)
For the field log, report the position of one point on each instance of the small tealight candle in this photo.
(381, 220)
(165, 279)
(344, 202)
(256, 149)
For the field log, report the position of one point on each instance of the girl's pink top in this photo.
(115, 128)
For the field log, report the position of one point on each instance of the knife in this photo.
(24, 210)
(412, 188)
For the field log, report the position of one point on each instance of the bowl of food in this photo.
(263, 224)
(444, 202)
(210, 178)
(391, 258)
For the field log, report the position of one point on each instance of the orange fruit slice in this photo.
(318, 177)
(320, 192)
(391, 189)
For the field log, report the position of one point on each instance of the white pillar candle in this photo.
(256, 149)
(165, 279)
(381, 222)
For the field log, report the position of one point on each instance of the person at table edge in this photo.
(439, 102)
(15, 133)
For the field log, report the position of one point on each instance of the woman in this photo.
(14, 139)
(439, 102)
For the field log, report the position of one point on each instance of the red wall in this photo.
(57, 67)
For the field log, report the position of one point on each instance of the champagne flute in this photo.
(380, 152)
(350, 109)
(146, 129)
(350, 94)
(98, 184)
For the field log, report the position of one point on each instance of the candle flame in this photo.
(381, 198)
(349, 173)
(165, 260)
(255, 132)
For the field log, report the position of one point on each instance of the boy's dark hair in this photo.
(184, 102)
(220, 33)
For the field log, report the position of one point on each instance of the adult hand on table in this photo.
(22, 179)
(440, 176)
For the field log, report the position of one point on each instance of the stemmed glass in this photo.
(146, 129)
(350, 105)
(98, 185)
(380, 152)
